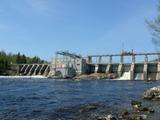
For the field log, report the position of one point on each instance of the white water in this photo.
(37, 76)
(125, 76)
(139, 76)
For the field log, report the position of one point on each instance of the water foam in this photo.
(125, 76)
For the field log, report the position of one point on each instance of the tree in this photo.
(23, 59)
(35, 59)
(8, 59)
(154, 26)
(18, 60)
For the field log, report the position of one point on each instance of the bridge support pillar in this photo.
(158, 71)
(120, 66)
(109, 65)
(108, 68)
(145, 68)
(145, 71)
(96, 68)
(132, 71)
(120, 69)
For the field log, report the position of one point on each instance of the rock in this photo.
(97, 76)
(144, 117)
(112, 76)
(143, 109)
(151, 111)
(136, 104)
(138, 117)
(152, 94)
(124, 113)
(109, 117)
(87, 108)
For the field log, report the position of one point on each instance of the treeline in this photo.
(9, 59)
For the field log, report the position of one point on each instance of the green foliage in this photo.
(6, 60)
(154, 26)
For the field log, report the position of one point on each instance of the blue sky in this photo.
(41, 27)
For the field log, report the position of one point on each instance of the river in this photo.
(44, 99)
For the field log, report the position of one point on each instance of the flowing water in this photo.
(40, 99)
(125, 76)
(139, 76)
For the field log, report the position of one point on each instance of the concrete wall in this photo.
(142, 71)
(80, 66)
(34, 69)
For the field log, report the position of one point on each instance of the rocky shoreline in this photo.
(147, 108)
(97, 76)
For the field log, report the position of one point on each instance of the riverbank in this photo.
(97, 76)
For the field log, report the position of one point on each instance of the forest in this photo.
(7, 60)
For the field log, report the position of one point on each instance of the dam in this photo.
(146, 70)
(69, 65)
(33, 69)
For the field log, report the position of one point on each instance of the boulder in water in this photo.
(138, 117)
(136, 104)
(144, 109)
(108, 117)
(87, 108)
(152, 94)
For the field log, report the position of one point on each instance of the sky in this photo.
(42, 27)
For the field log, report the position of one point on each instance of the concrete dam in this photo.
(146, 70)
(69, 65)
(33, 69)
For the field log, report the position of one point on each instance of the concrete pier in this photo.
(96, 68)
(158, 71)
(145, 71)
(132, 71)
(108, 68)
(120, 69)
